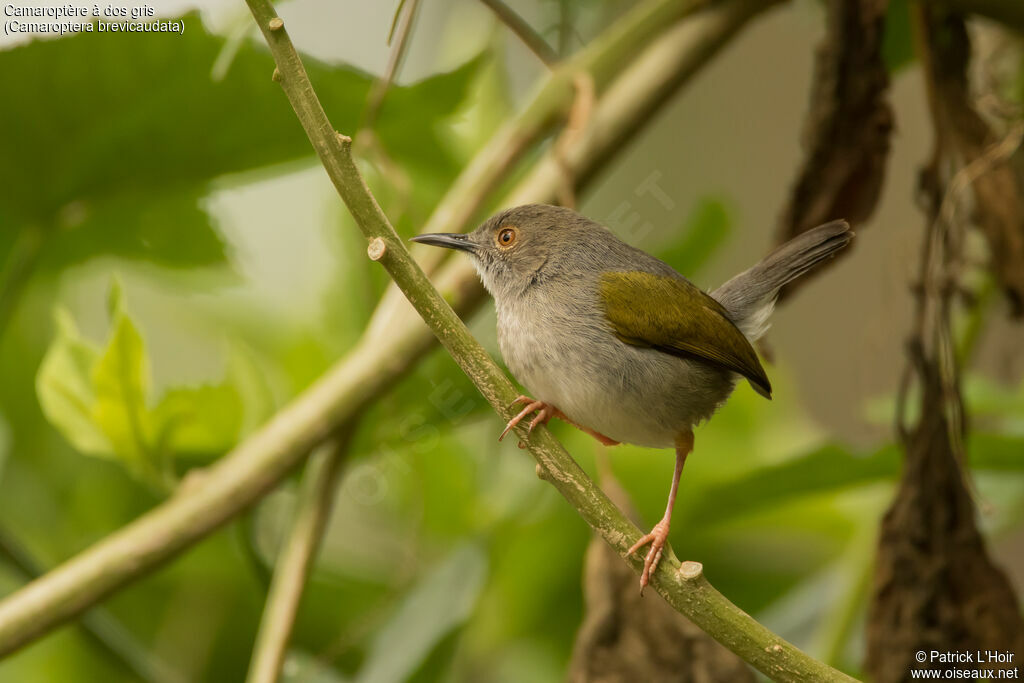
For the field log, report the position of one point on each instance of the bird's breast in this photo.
(568, 355)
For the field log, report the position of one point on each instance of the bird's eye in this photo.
(506, 237)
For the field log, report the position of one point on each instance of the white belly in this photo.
(629, 394)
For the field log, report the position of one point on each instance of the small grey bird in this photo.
(615, 341)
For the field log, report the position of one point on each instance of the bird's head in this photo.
(520, 247)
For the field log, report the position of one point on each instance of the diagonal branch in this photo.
(368, 371)
(687, 590)
(99, 627)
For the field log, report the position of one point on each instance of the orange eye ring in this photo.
(506, 237)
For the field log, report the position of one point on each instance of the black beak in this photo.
(449, 240)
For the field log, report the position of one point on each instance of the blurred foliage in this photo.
(119, 164)
(898, 43)
(99, 400)
(706, 229)
(446, 558)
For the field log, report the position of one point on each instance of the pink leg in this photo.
(659, 534)
(597, 435)
(546, 411)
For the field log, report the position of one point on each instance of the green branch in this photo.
(369, 370)
(686, 590)
(98, 626)
(295, 559)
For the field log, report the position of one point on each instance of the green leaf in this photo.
(65, 389)
(995, 452)
(199, 421)
(166, 227)
(705, 231)
(120, 164)
(443, 600)
(827, 469)
(898, 41)
(433, 99)
(98, 399)
(256, 399)
(120, 379)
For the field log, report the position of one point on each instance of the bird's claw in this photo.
(545, 412)
(657, 538)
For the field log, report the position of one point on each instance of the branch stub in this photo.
(689, 571)
(276, 24)
(376, 249)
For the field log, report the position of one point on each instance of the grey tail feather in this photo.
(750, 296)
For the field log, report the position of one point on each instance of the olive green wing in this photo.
(674, 316)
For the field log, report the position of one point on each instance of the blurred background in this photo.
(162, 215)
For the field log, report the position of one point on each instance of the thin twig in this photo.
(296, 559)
(373, 365)
(404, 22)
(523, 31)
(998, 152)
(394, 20)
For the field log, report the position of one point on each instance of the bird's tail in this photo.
(750, 296)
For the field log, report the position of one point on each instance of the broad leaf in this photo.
(98, 399)
(65, 389)
(120, 379)
(119, 164)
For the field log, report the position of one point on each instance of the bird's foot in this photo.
(545, 411)
(657, 539)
